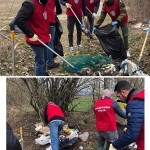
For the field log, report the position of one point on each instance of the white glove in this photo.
(68, 5)
(111, 147)
(94, 15)
(34, 38)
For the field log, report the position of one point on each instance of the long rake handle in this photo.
(13, 50)
(144, 44)
(141, 54)
(56, 53)
(2, 28)
(91, 13)
(76, 16)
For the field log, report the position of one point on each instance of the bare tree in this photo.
(139, 9)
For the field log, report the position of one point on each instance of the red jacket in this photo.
(114, 12)
(105, 115)
(51, 6)
(39, 23)
(90, 4)
(140, 140)
(76, 6)
(54, 112)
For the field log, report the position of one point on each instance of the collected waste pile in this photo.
(101, 66)
(69, 136)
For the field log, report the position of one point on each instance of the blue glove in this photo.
(114, 23)
(148, 30)
(94, 28)
(123, 65)
(82, 26)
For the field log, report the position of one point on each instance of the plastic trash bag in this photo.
(43, 140)
(111, 42)
(58, 48)
(84, 136)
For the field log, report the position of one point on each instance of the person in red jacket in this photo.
(33, 20)
(92, 7)
(55, 118)
(117, 11)
(135, 115)
(105, 109)
(78, 6)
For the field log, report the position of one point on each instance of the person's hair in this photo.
(122, 85)
(106, 92)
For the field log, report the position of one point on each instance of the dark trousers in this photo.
(90, 23)
(125, 33)
(71, 21)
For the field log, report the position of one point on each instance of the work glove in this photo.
(123, 66)
(85, 19)
(34, 38)
(114, 23)
(82, 26)
(68, 5)
(94, 15)
(94, 28)
(148, 30)
(111, 147)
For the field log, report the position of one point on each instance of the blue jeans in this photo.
(55, 127)
(50, 59)
(40, 52)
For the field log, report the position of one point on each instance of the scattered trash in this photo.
(84, 136)
(43, 140)
(81, 147)
(38, 128)
(137, 25)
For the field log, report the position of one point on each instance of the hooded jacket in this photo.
(33, 18)
(135, 121)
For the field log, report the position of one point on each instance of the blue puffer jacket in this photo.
(135, 121)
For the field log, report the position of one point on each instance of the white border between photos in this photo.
(3, 112)
(147, 113)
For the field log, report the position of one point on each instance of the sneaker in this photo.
(55, 65)
(80, 46)
(71, 49)
(128, 54)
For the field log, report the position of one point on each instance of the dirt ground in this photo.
(25, 57)
(85, 122)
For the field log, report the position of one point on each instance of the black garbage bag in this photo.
(58, 48)
(111, 42)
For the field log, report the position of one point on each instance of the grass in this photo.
(82, 104)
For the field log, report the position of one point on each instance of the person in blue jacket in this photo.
(135, 116)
